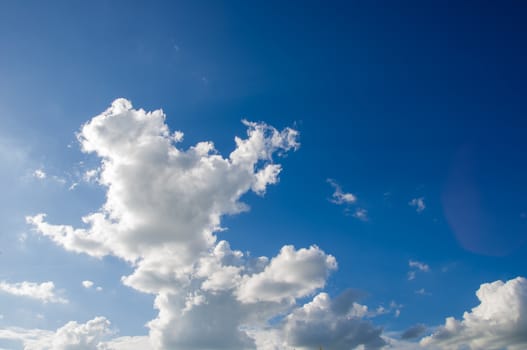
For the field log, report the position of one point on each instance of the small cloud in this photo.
(22, 238)
(91, 175)
(39, 174)
(422, 291)
(339, 197)
(414, 332)
(178, 136)
(397, 313)
(87, 284)
(416, 266)
(419, 265)
(418, 203)
(411, 275)
(361, 214)
(40, 316)
(1, 317)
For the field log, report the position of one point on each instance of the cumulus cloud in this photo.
(323, 323)
(163, 210)
(72, 336)
(291, 274)
(418, 203)
(339, 196)
(160, 197)
(44, 292)
(498, 322)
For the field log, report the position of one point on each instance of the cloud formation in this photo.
(416, 266)
(44, 291)
(498, 322)
(163, 210)
(340, 197)
(418, 203)
(72, 336)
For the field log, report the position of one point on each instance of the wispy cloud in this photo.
(361, 214)
(44, 292)
(419, 265)
(418, 203)
(339, 196)
(416, 266)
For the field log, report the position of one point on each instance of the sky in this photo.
(263, 175)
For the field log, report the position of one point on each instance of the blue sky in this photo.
(413, 111)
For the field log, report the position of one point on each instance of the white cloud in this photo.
(72, 336)
(39, 174)
(419, 265)
(159, 197)
(416, 266)
(498, 322)
(361, 214)
(418, 203)
(163, 209)
(340, 197)
(292, 274)
(44, 292)
(90, 175)
(87, 284)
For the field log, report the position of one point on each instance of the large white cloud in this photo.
(44, 291)
(498, 322)
(161, 198)
(163, 208)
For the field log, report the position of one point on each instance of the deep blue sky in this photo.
(393, 100)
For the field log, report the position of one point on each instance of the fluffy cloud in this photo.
(44, 292)
(87, 284)
(291, 274)
(39, 174)
(72, 336)
(418, 203)
(161, 198)
(498, 322)
(322, 322)
(163, 208)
